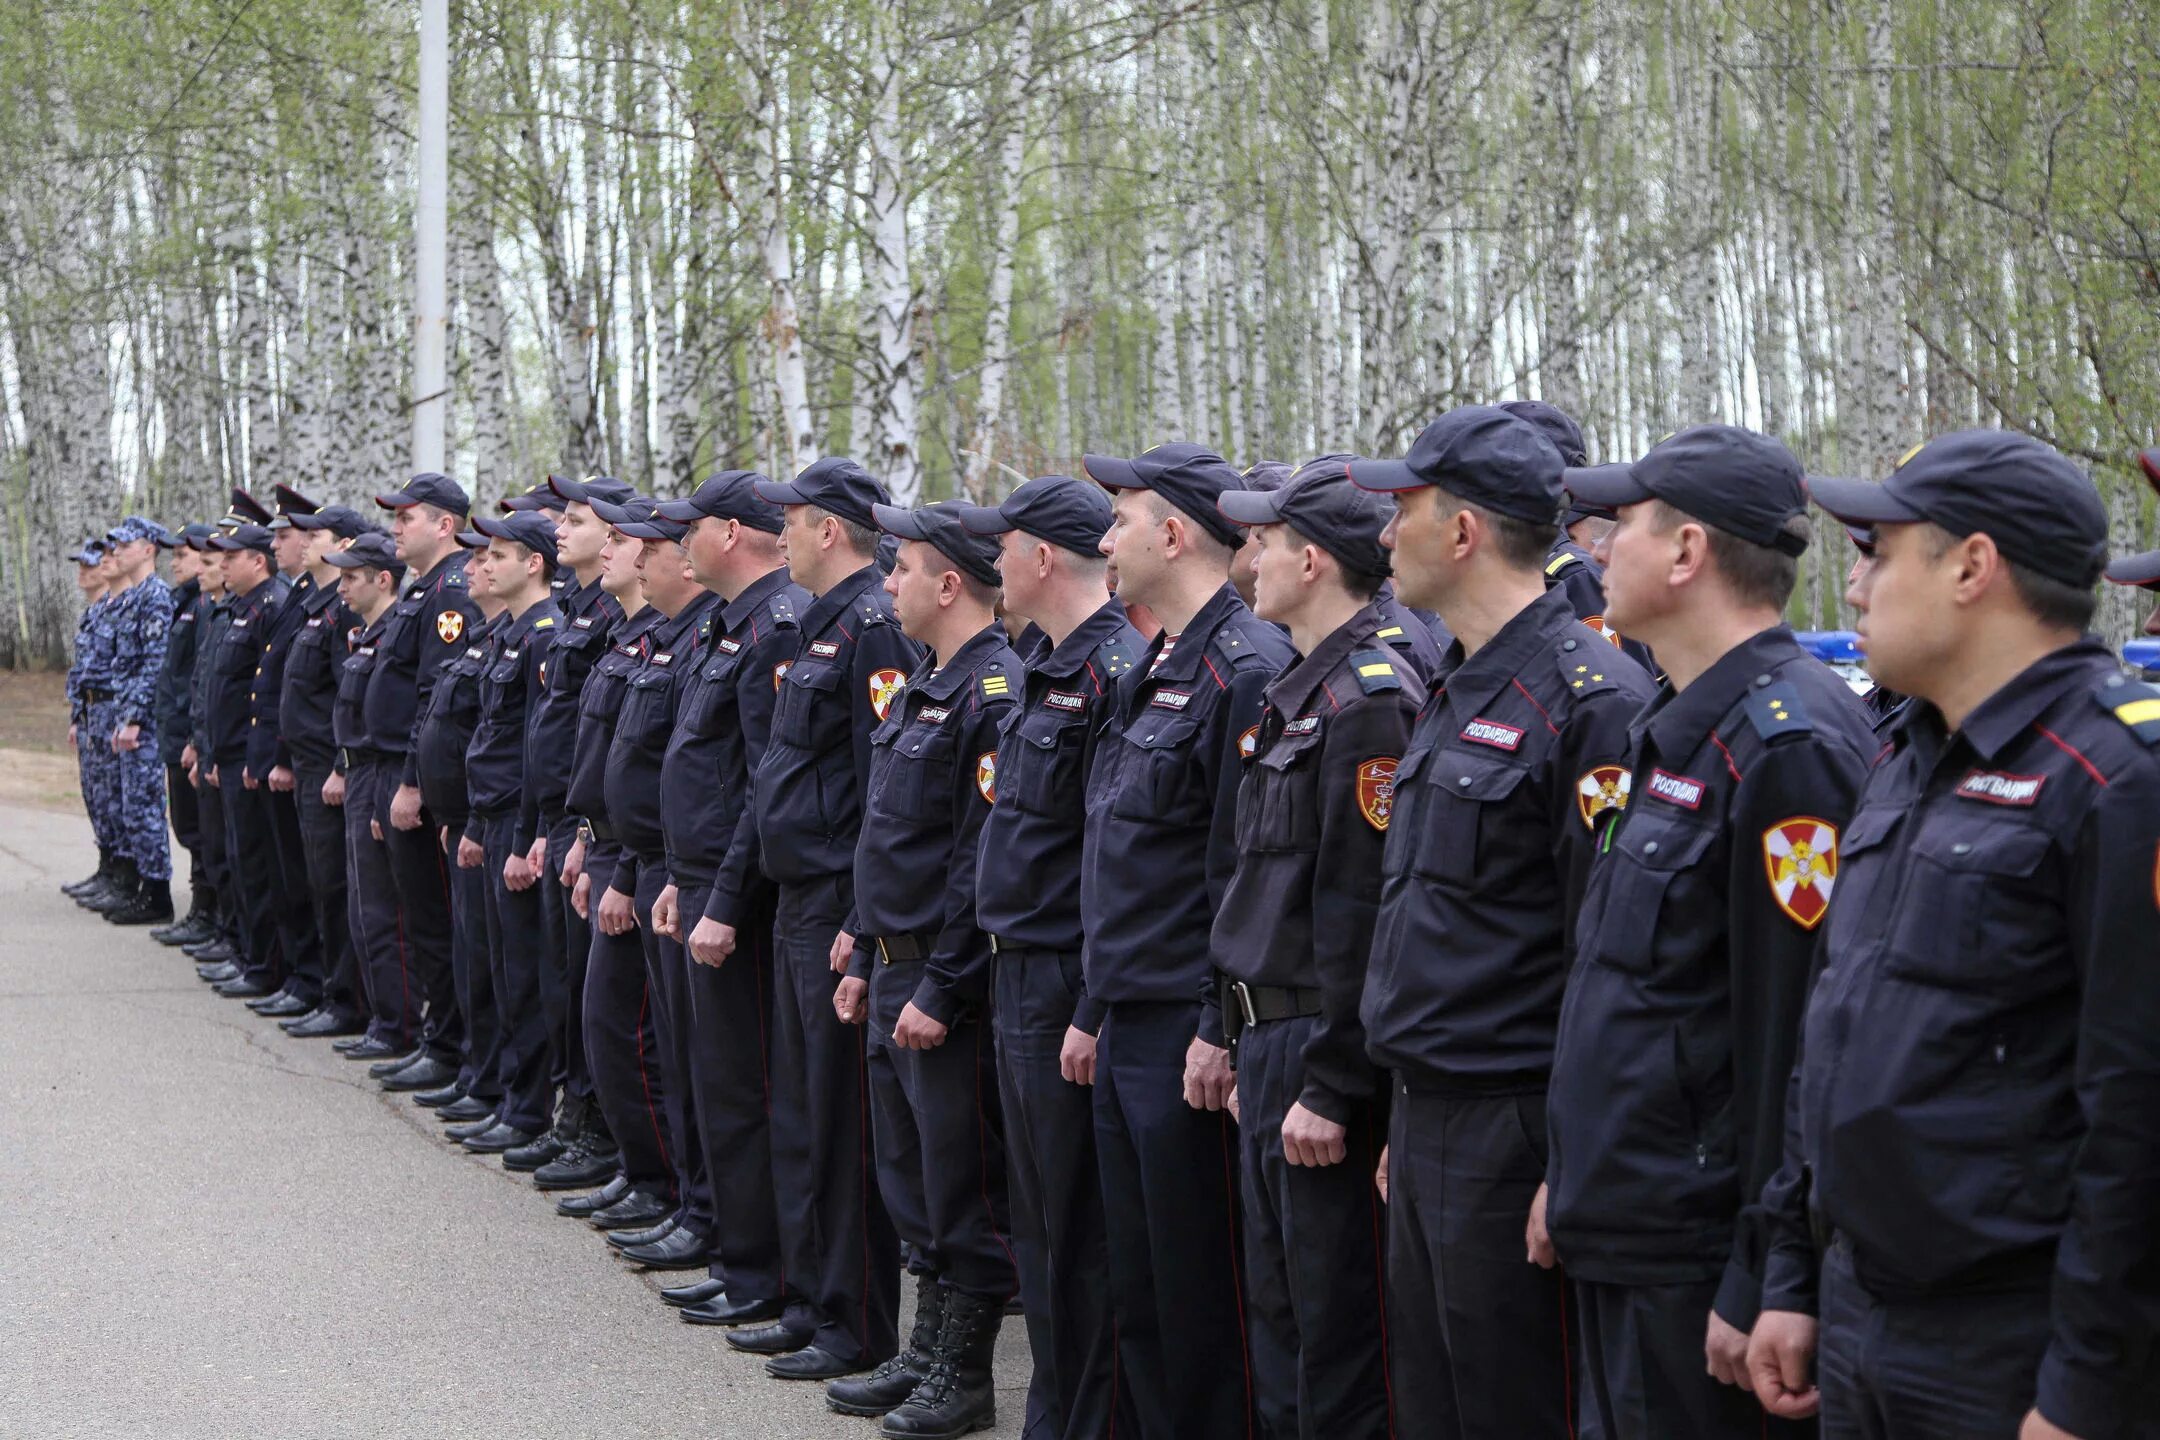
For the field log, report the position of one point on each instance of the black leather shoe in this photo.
(698, 1292)
(396, 1063)
(719, 1310)
(680, 1249)
(624, 1238)
(440, 1096)
(211, 949)
(813, 1362)
(242, 988)
(426, 1073)
(320, 1024)
(496, 1140)
(636, 1209)
(218, 973)
(458, 1134)
(282, 1007)
(578, 1207)
(373, 1048)
(464, 1109)
(528, 1158)
(777, 1338)
(577, 1168)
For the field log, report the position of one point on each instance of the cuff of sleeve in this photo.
(721, 907)
(858, 965)
(1739, 1297)
(1211, 1029)
(2080, 1400)
(1789, 1281)
(1325, 1103)
(935, 1001)
(1088, 1015)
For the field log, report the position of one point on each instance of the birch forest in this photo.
(964, 240)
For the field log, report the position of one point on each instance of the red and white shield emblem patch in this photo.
(1597, 623)
(884, 689)
(986, 775)
(449, 624)
(1601, 789)
(1376, 790)
(1800, 857)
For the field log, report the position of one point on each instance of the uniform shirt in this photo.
(1419, 632)
(1027, 878)
(140, 618)
(446, 730)
(426, 631)
(933, 779)
(1681, 1017)
(309, 694)
(642, 726)
(1312, 814)
(266, 747)
(84, 658)
(231, 696)
(599, 702)
(1978, 1096)
(495, 757)
(1162, 800)
(1517, 761)
(808, 788)
(177, 672)
(1575, 571)
(216, 616)
(589, 616)
(348, 714)
(722, 723)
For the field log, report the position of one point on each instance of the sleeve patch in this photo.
(450, 624)
(1376, 790)
(986, 776)
(1603, 788)
(1800, 858)
(885, 687)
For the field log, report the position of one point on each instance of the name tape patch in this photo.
(1172, 699)
(1065, 700)
(1676, 789)
(1998, 787)
(1493, 733)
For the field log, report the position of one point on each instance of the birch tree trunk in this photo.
(988, 443)
(895, 456)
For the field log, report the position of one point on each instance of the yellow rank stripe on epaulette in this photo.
(1554, 565)
(2138, 712)
(1391, 630)
(543, 622)
(1376, 670)
(996, 685)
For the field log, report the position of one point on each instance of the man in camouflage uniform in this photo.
(87, 671)
(138, 617)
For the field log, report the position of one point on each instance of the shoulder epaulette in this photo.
(782, 608)
(1775, 710)
(1231, 643)
(455, 577)
(1115, 656)
(1395, 635)
(1586, 664)
(1560, 562)
(996, 682)
(1375, 671)
(544, 622)
(2134, 702)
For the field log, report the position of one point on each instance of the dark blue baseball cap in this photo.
(340, 520)
(1558, 425)
(1190, 477)
(1735, 480)
(592, 488)
(1267, 474)
(833, 484)
(887, 554)
(244, 537)
(939, 526)
(372, 551)
(2140, 570)
(1863, 539)
(1320, 502)
(2041, 510)
(543, 496)
(1479, 453)
(187, 535)
(471, 539)
(639, 518)
(137, 527)
(428, 488)
(729, 495)
(1057, 508)
(529, 528)
(90, 552)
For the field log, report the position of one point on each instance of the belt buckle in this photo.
(884, 956)
(993, 944)
(1244, 999)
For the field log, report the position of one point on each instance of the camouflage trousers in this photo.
(131, 794)
(99, 770)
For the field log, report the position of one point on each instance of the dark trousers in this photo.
(526, 1066)
(1169, 1184)
(940, 1143)
(217, 858)
(258, 874)
(665, 983)
(294, 901)
(1312, 1258)
(371, 910)
(421, 873)
(1962, 1367)
(186, 811)
(1057, 1214)
(1478, 1335)
(322, 847)
(1643, 1372)
(729, 1028)
(620, 1049)
(838, 1237)
(562, 969)
(472, 972)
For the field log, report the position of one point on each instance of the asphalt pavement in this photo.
(209, 1229)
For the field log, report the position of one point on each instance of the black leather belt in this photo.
(1256, 1003)
(892, 949)
(96, 696)
(351, 755)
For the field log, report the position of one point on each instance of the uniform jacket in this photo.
(446, 730)
(266, 747)
(589, 615)
(495, 769)
(309, 694)
(176, 675)
(642, 726)
(426, 631)
(232, 696)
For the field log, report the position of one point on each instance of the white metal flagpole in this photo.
(431, 289)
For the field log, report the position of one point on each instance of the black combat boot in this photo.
(118, 891)
(151, 904)
(891, 1383)
(95, 878)
(957, 1397)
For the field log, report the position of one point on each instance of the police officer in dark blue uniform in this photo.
(1027, 898)
(807, 793)
(307, 728)
(1159, 852)
(1291, 940)
(1976, 1126)
(426, 631)
(1678, 1027)
(189, 608)
(920, 975)
(217, 958)
(717, 904)
(1518, 757)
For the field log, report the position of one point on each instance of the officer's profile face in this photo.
(1638, 558)
(1139, 531)
(186, 564)
(352, 586)
(87, 578)
(1018, 562)
(618, 564)
(1280, 568)
(579, 534)
(706, 546)
(1909, 616)
(1418, 534)
(291, 544)
(917, 586)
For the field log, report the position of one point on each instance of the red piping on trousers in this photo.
(1237, 1279)
(1379, 1226)
(645, 1076)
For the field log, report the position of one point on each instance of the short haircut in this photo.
(436, 512)
(1757, 575)
(978, 591)
(862, 537)
(1520, 544)
(2055, 603)
(1196, 534)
